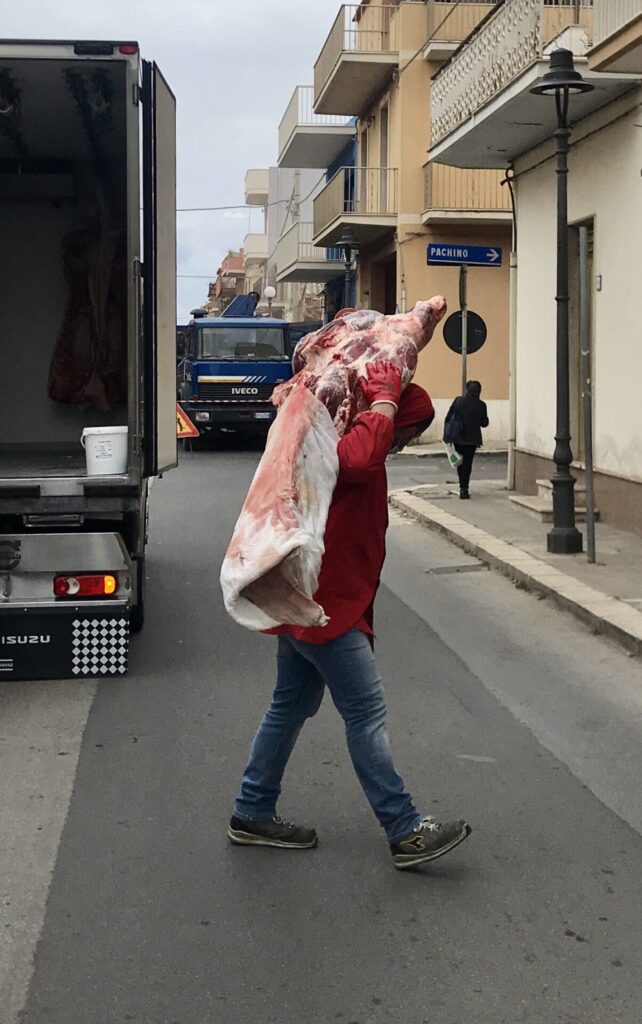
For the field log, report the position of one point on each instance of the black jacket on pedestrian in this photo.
(474, 415)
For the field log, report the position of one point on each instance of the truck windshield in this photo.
(242, 343)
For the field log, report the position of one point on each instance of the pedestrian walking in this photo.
(464, 420)
(340, 655)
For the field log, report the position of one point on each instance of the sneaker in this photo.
(271, 832)
(431, 839)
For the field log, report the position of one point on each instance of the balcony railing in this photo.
(255, 249)
(456, 188)
(503, 46)
(450, 21)
(358, 192)
(356, 30)
(612, 16)
(257, 186)
(296, 246)
(296, 256)
(300, 116)
(300, 111)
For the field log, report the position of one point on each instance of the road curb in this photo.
(604, 614)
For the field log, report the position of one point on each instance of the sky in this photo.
(233, 65)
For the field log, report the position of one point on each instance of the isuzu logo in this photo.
(245, 391)
(9, 640)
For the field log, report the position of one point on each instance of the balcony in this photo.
(483, 112)
(357, 60)
(257, 187)
(227, 286)
(255, 248)
(618, 36)
(365, 198)
(465, 196)
(298, 259)
(307, 139)
(449, 22)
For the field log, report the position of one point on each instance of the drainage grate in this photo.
(449, 570)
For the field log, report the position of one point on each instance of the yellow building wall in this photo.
(408, 101)
(488, 291)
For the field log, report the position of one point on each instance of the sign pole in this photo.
(463, 302)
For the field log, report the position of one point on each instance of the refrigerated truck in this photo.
(87, 344)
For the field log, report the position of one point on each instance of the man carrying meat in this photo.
(340, 655)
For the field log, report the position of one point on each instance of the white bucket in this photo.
(106, 450)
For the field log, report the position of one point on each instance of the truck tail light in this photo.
(129, 49)
(97, 585)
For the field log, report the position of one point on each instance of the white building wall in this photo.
(604, 184)
(291, 196)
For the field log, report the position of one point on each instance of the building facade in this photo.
(494, 120)
(377, 67)
(282, 256)
(230, 282)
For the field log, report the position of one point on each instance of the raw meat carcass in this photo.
(89, 364)
(270, 572)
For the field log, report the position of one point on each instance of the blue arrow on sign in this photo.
(458, 253)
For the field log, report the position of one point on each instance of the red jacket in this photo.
(355, 533)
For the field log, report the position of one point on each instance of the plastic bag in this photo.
(453, 456)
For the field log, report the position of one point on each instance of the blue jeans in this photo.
(347, 667)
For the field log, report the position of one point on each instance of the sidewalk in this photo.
(607, 596)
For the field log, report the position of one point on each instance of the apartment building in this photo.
(230, 282)
(484, 114)
(376, 67)
(281, 255)
(321, 143)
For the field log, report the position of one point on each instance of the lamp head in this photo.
(561, 75)
(348, 241)
(269, 293)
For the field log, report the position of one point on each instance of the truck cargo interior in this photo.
(63, 287)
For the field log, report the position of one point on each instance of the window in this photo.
(252, 343)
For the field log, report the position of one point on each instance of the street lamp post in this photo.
(348, 245)
(270, 294)
(560, 81)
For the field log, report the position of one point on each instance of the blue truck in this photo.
(230, 366)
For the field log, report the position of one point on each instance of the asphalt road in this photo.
(501, 709)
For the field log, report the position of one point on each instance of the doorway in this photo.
(363, 173)
(576, 379)
(383, 160)
(390, 287)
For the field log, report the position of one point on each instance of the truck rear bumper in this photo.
(64, 642)
(45, 636)
(207, 417)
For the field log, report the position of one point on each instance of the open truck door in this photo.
(159, 271)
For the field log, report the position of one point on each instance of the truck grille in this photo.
(236, 392)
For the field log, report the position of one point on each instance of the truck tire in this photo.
(137, 616)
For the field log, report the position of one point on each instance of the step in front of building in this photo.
(541, 506)
(545, 490)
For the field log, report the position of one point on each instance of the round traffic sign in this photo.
(477, 332)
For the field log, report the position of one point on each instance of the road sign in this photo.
(454, 254)
(184, 425)
(454, 332)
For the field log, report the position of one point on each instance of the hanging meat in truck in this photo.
(270, 572)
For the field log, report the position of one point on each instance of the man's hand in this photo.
(382, 383)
